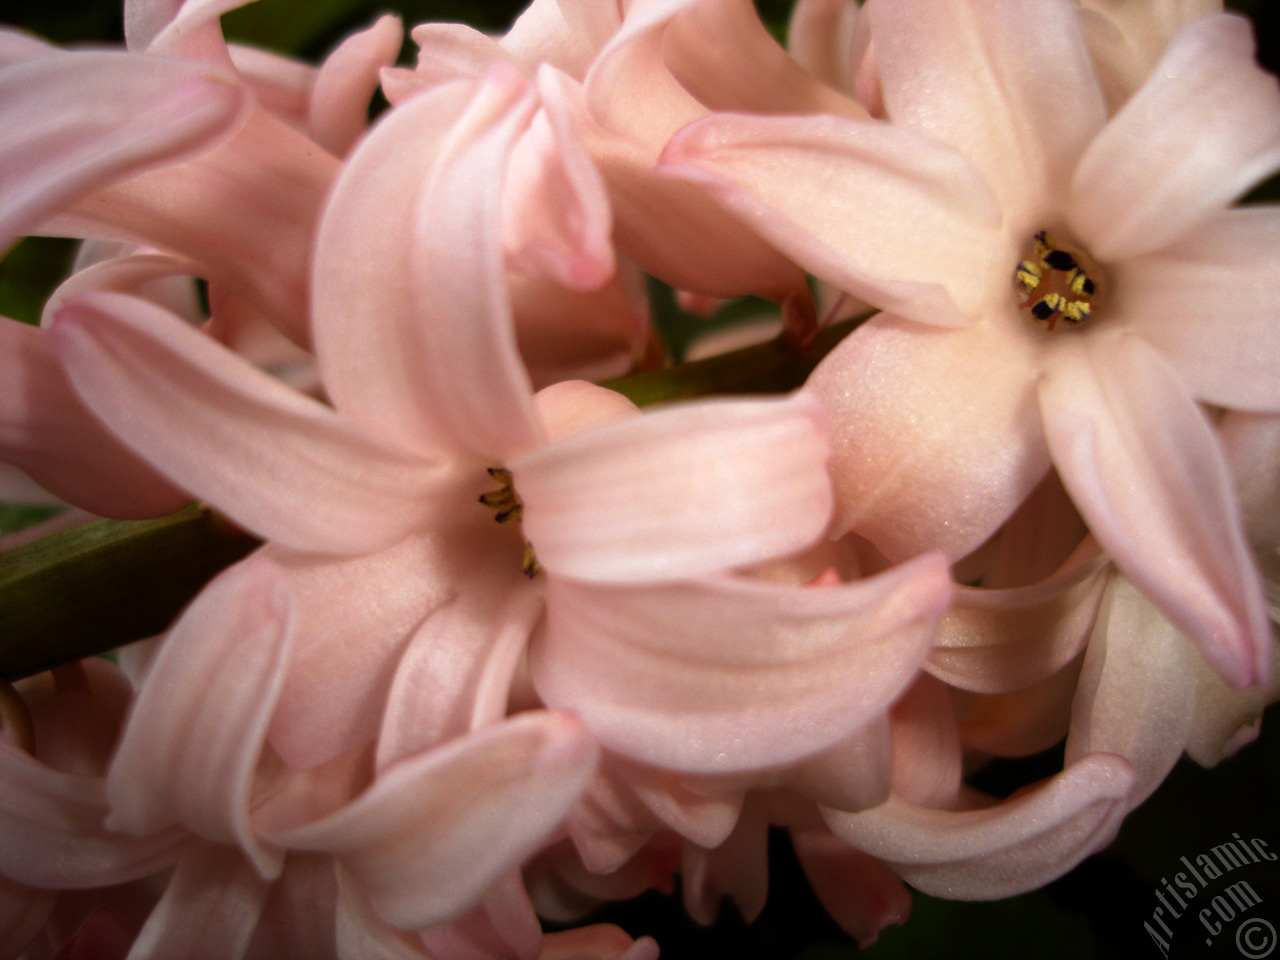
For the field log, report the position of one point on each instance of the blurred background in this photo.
(1096, 911)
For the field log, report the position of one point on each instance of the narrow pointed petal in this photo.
(209, 909)
(194, 738)
(76, 122)
(1002, 640)
(568, 34)
(680, 492)
(285, 466)
(1014, 846)
(339, 110)
(937, 439)
(722, 675)
(1145, 470)
(1173, 156)
(817, 186)
(412, 323)
(245, 211)
(1208, 304)
(46, 430)
(858, 891)
(1132, 700)
(987, 77)
(435, 831)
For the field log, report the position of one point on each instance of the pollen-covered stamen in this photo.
(1055, 283)
(507, 507)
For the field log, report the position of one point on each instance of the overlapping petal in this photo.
(1132, 699)
(679, 492)
(279, 462)
(339, 101)
(1173, 156)
(46, 430)
(722, 675)
(1145, 470)
(407, 312)
(59, 145)
(191, 749)
(987, 77)
(817, 186)
(421, 839)
(1013, 846)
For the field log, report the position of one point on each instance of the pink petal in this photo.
(819, 38)
(816, 187)
(936, 435)
(1022, 723)
(298, 920)
(52, 833)
(421, 840)
(858, 891)
(568, 34)
(281, 84)
(413, 252)
(723, 54)
(278, 462)
(557, 219)
(1209, 303)
(677, 493)
(193, 31)
(448, 52)
(1173, 155)
(193, 742)
(853, 774)
(599, 941)
(926, 745)
(1017, 845)
(1132, 700)
(1143, 466)
(567, 335)
(1001, 640)
(345, 653)
(339, 109)
(245, 211)
(456, 672)
(76, 122)
(988, 78)
(46, 430)
(209, 908)
(737, 869)
(721, 675)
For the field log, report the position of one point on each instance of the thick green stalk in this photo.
(91, 589)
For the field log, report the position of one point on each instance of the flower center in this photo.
(508, 508)
(1055, 284)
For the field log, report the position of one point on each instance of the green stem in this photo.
(107, 583)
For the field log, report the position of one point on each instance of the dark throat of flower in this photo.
(505, 503)
(1056, 284)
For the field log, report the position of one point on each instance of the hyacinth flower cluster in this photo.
(506, 646)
